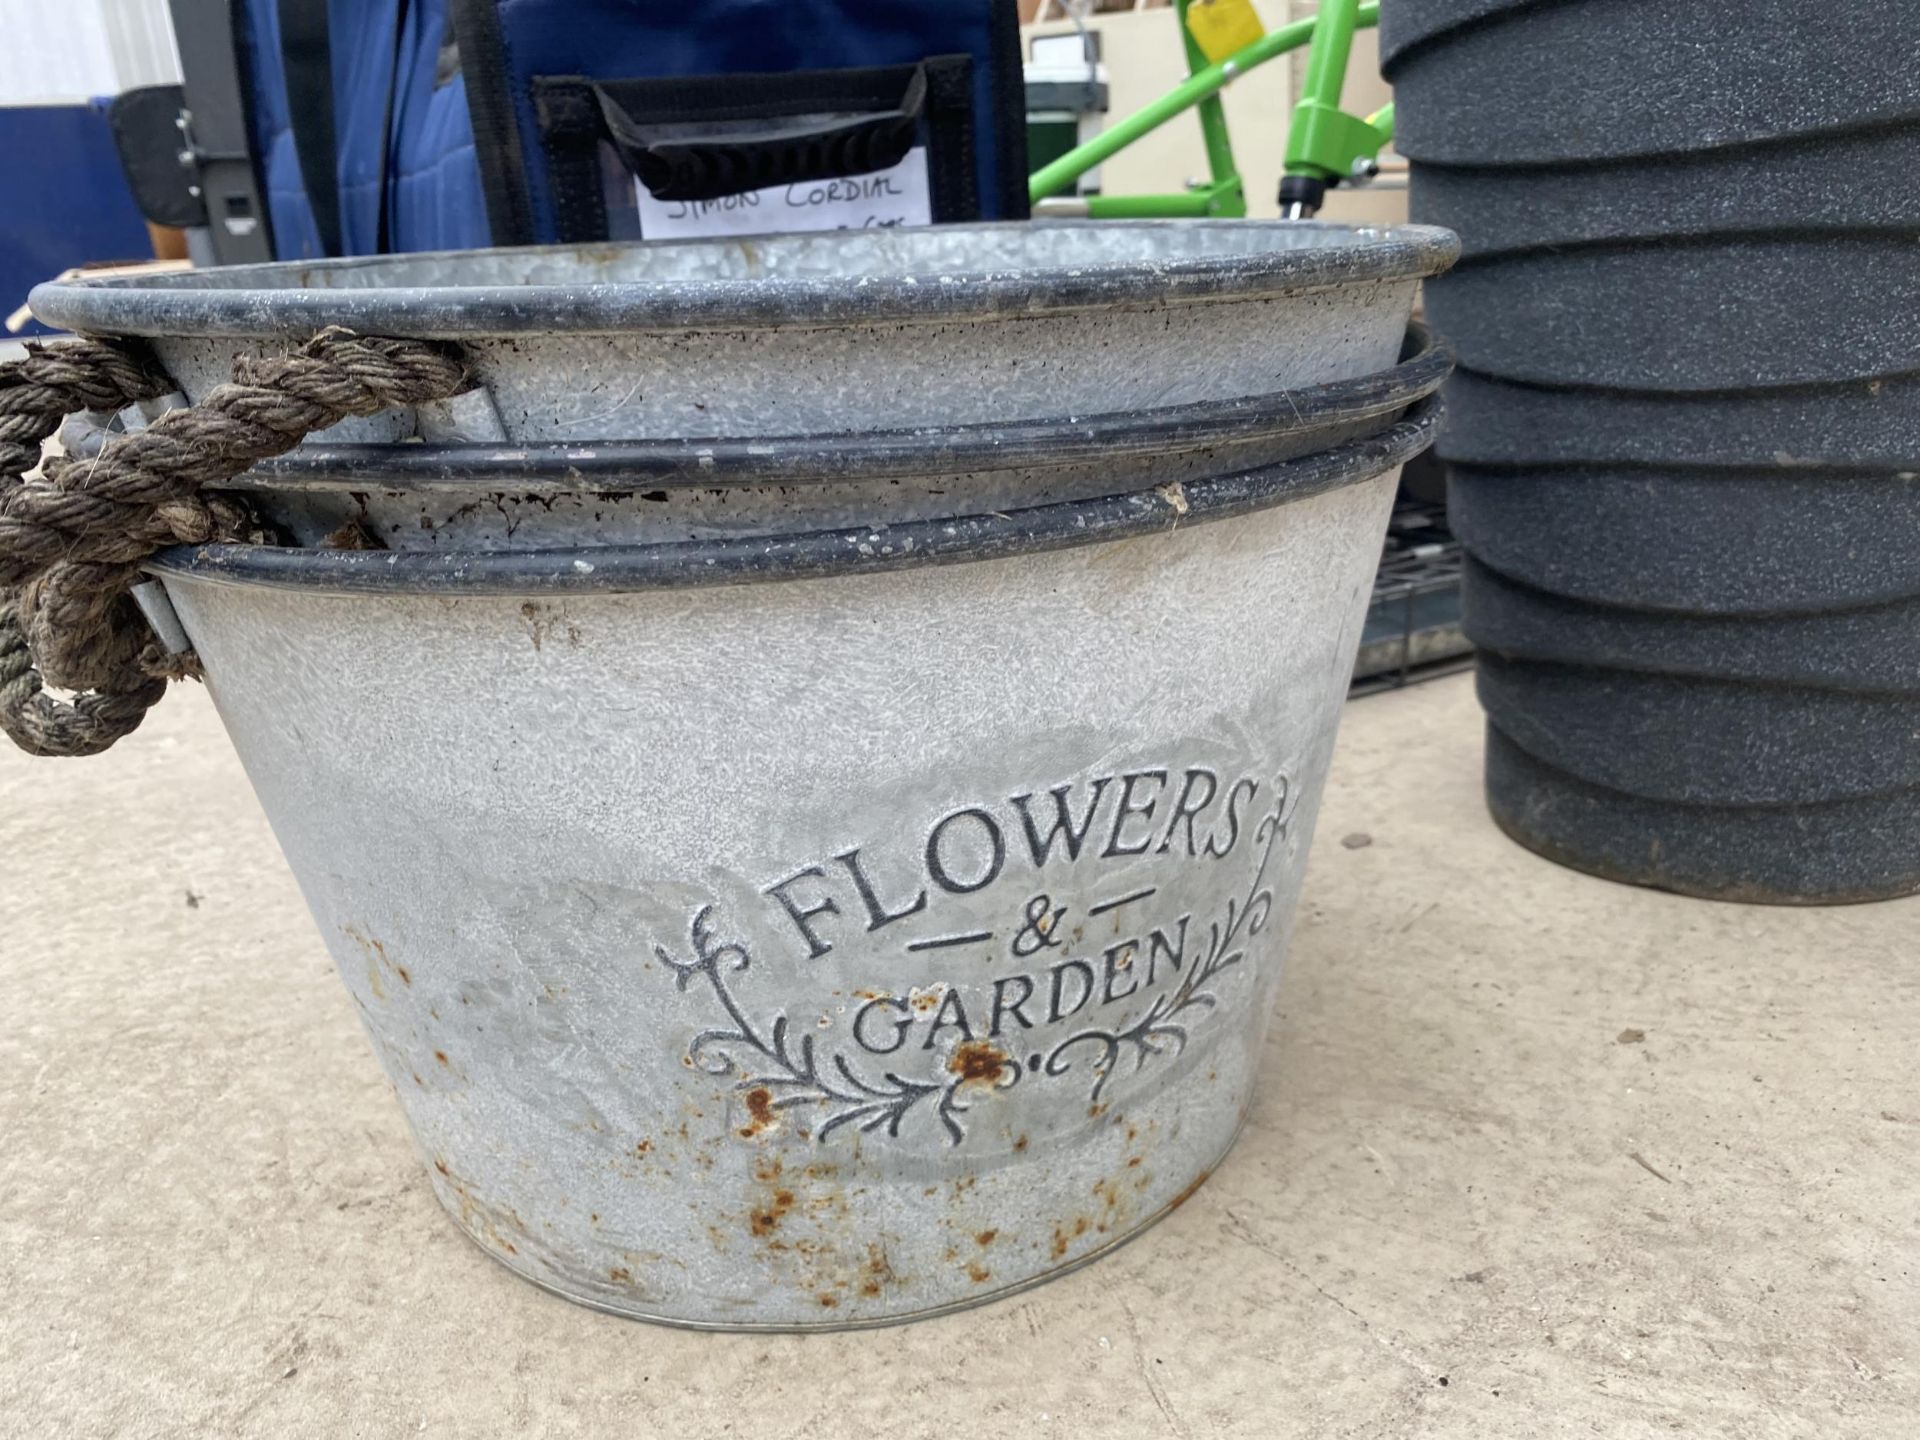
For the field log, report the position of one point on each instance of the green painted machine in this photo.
(1325, 144)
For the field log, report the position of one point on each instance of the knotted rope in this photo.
(74, 538)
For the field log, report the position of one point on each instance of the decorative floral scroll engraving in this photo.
(827, 1085)
(1160, 1031)
(791, 1070)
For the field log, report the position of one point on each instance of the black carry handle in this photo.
(149, 139)
(693, 138)
(706, 167)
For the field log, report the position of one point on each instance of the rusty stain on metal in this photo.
(760, 1116)
(763, 1220)
(481, 1221)
(1188, 1193)
(979, 1061)
(1063, 1237)
(877, 1273)
(377, 960)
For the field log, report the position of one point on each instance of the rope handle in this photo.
(73, 539)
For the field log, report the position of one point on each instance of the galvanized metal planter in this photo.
(806, 922)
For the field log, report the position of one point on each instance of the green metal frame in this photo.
(1323, 141)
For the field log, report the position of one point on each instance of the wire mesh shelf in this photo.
(1413, 625)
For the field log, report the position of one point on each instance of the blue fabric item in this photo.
(634, 39)
(434, 197)
(294, 235)
(67, 198)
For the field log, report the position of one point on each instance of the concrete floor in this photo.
(1534, 1155)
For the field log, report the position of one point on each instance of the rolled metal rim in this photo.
(423, 295)
(809, 554)
(925, 451)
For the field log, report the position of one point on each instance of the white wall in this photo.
(71, 50)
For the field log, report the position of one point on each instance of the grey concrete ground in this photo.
(1534, 1155)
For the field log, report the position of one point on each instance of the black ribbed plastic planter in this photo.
(1684, 435)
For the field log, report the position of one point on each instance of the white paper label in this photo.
(895, 196)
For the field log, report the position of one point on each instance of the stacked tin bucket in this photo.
(806, 768)
(1685, 431)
